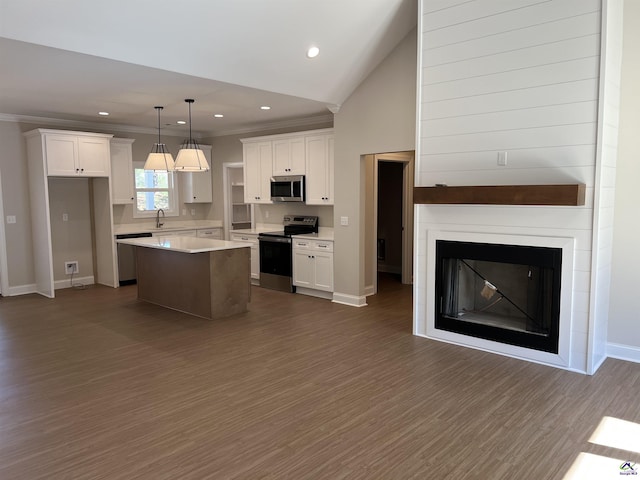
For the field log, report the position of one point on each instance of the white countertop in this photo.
(169, 226)
(183, 244)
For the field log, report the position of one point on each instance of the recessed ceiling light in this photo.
(265, 107)
(104, 114)
(218, 115)
(313, 52)
(181, 122)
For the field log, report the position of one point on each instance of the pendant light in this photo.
(159, 158)
(190, 157)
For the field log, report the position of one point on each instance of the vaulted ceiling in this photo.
(68, 60)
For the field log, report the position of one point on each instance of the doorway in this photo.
(237, 214)
(389, 220)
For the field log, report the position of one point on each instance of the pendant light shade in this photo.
(159, 158)
(190, 156)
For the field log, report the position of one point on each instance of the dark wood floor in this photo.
(96, 385)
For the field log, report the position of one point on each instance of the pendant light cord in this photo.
(158, 108)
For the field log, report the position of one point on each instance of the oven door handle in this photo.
(275, 239)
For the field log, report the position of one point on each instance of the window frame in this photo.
(172, 189)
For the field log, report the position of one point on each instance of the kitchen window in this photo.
(154, 189)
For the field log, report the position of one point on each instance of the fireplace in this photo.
(504, 293)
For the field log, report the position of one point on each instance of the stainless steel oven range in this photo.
(276, 255)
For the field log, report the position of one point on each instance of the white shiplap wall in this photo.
(522, 77)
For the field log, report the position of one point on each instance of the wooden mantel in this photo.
(564, 195)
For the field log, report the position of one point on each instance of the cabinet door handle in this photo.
(82, 169)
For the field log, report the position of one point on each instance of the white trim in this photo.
(4, 268)
(167, 131)
(623, 352)
(21, 290)
(66, 283)
(351, 300)
(426, 326)
(369, 290)
(523, 358)
(314, 293)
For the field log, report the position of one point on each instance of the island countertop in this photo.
(183, 244)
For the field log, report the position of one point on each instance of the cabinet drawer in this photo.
(321, 245)
(236, 237)
(210, 233)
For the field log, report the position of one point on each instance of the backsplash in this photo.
(274, 213)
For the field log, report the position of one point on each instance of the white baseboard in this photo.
(314, 293)
(351, 300)
(59, 284)
(623, 352)
(369, 290)
(20, 290)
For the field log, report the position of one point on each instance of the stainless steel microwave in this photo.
(289, 188)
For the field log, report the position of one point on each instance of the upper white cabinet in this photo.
(196, 186)
(307, 153)
(71, 154)
(121, 171)
(257, 171)
(319, 158)
(288, 156)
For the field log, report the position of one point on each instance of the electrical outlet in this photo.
(71, 267)
(193, 211)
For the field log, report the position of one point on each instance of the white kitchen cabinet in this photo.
(313, 264)
(258, 163)
(76, 153)
(251, 239)
(308, 153)
(319, 167)
(289, 156)
(122, 171)
(196, 186)
(58, 153)
(215, 233)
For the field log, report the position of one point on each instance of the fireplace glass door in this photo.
(505, 293)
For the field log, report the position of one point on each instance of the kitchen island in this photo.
(200, 276)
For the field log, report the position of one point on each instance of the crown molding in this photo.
(263, 127)
(111, 127)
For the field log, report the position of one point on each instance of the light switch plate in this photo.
(11, 219)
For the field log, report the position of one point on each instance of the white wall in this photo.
(71, 239)
(378, 117)
(624, 319)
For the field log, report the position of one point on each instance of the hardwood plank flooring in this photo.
(98, 385)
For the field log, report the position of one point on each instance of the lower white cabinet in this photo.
(215, 233)
(252, 239)
(313, 264)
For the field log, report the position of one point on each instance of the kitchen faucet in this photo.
(158, 223)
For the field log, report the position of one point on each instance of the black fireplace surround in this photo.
(505, 293)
